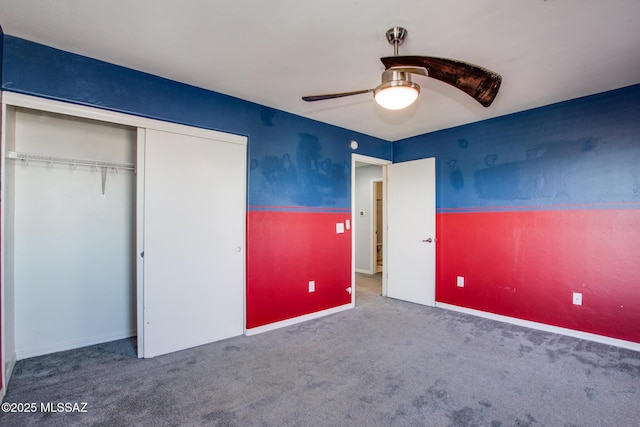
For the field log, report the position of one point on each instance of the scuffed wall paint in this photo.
(278, 277)
(298, 169)
(534, 206)
(558, 160)
(527, 264)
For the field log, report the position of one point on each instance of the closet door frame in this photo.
(11, 99)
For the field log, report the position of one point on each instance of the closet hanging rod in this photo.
(70, 161)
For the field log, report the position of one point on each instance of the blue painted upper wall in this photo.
(580, 152)
(583, 153)
(293, 161)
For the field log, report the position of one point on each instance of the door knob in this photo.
(429, 240)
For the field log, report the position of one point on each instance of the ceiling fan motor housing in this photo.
(396, 77)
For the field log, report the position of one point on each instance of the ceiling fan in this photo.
(397, 91)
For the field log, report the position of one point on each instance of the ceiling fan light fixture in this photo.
(397, 91)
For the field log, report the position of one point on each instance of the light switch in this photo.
(348, 224)
(339, 227)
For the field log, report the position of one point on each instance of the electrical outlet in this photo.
(460, 282)
(312, 285)
(577, 298)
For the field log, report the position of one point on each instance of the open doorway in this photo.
(368, 218)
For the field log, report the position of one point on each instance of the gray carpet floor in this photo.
(383, 363)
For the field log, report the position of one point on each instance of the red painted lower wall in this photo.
(528, 264)
(285, 250)
(1, 319)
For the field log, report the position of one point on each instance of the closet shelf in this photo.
(96, 164)
(73, 162)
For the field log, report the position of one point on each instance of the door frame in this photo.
(140, 149)
(374, 224)
(378, 162)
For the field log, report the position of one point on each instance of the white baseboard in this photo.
(70, 345)
(544, 327)
(296, 320)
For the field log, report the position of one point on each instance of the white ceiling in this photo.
(273, 52)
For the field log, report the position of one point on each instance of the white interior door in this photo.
(194, 222)
(411, 233)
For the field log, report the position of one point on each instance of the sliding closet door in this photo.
(194, 221)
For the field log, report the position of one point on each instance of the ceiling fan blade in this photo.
(334, 95)
(475, 81)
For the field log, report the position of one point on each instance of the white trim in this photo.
(140, 150)
(367, 159)
(385, 231)
(4, 373)
(9, 371)
(374, 222)
(7, 355)
(360, 270)
(69, 345)
(543, 327)
(43, 104)
(296, 320)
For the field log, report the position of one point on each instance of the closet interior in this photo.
(69, 249)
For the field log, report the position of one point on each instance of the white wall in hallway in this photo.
(363, 203)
